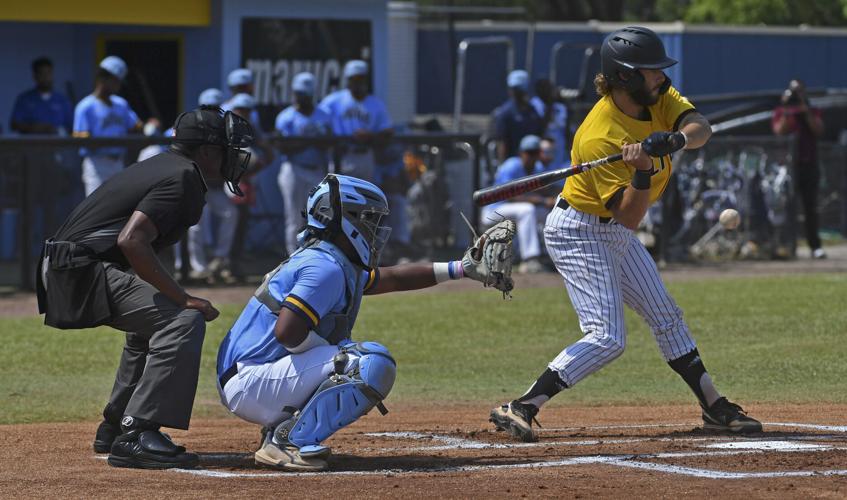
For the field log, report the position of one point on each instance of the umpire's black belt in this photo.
(563, 204)
(228, 374)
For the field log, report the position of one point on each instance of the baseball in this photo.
(730, 219)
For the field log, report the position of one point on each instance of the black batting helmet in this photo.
(627, 50)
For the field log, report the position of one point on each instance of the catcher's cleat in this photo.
(289, 457)
(105, 436)
(724, 416)
(516, 418)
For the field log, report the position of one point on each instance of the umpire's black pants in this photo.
(157, 374)
(807, 177)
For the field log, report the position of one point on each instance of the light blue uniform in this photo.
(348, 116)
(313, 285)
(300, 171)
(525, 214)
(555, 130)
(510, 170)
(290, 122)
(98, 119)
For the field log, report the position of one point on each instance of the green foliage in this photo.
(772, 12)
(741, 12)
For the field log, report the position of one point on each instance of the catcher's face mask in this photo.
(353, 207)
(212, 125)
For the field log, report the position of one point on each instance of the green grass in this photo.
(770, 339)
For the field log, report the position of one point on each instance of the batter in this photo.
(589, 234)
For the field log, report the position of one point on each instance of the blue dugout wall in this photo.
(712, 59)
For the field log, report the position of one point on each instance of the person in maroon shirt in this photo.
(795, 116)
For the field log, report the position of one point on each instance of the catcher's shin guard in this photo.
(344, 397)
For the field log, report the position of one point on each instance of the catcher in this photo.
(289, 364)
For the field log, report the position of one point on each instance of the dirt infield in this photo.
(430, 450)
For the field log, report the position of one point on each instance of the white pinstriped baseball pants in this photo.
(604, 267)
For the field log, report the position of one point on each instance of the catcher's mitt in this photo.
(489, 260)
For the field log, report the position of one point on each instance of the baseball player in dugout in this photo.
(288, 363)
(101, 268)
(589, 234)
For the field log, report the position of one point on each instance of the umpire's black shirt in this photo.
(168, 188)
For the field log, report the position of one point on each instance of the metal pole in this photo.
(477, 152)
(530, 47)
(26, 230)
(462, 51)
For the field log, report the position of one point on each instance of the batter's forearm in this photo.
(697, 131)
(632, 207)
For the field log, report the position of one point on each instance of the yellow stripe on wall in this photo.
(147, 12)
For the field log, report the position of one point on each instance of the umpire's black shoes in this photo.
(105, 436)
(516, 418)
(725, 416)
(143, 446)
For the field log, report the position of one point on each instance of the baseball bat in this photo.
(532, 182)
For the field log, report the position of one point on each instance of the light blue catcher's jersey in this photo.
(312, 284)
(95, 118)
(349, 115)
(290, 123)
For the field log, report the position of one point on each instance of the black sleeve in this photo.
(165, 204)
(681, 117)
(615, 199)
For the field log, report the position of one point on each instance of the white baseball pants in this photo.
(604, 266)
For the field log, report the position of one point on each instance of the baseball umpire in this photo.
(84, 280)
(288, 363)
(589, 234)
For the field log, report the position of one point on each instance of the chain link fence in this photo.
(754, 175)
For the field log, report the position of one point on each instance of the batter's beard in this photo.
(643, 98)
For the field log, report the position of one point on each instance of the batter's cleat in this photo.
(516, 418)
(289, 457)
(105, 436)
(150, 449)
(724, 416)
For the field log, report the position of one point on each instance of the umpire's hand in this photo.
(202, 305)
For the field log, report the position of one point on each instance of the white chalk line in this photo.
(627, 461)
(630, 460)
(819, 427)
(455, 443)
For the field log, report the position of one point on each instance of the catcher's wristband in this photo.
(448, 270)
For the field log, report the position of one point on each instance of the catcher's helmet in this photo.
(627, 50)
(346, 205)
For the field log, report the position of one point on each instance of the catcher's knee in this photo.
(364, 382)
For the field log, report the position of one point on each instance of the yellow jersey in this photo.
(605, 130)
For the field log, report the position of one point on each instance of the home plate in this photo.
(768, 445)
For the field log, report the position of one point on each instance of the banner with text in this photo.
(277, 49)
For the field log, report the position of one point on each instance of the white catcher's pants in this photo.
(258, 393)
(604, 267)
(526, 219)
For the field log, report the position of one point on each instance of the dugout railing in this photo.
(40, 183)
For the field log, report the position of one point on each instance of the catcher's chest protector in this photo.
(334, 327)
